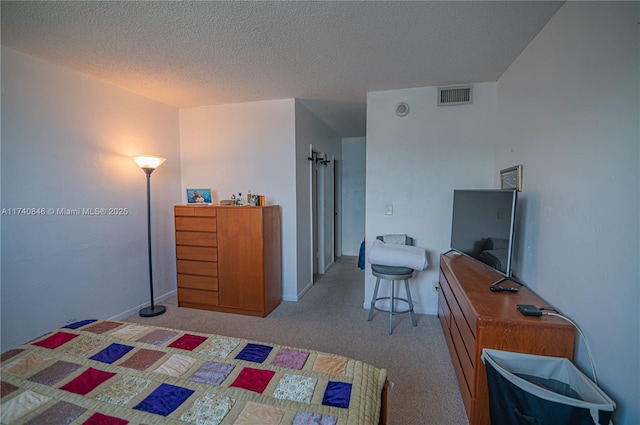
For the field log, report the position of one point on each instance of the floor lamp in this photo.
(149, 163)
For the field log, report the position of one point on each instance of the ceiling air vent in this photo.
(458, 95)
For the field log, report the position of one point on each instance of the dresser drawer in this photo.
(183, 211)
(466, 311)
(205, 283)
(196, 224)
(201, 268)
(443, 311)
(447, 294)
(195, 211)
(196, 238)
(198, 253)
(204, 211)
(196, 296)
(463, 355)
(467, 336)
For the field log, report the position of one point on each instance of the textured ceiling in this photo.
(329, 54)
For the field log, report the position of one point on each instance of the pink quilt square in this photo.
(55, 340)
(87, 381)
(291, 359)
(188, 342)
(255, 380)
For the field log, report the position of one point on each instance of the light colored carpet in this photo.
(330, 318)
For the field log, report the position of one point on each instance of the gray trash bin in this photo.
(531, 389)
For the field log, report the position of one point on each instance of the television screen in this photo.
(483, 226)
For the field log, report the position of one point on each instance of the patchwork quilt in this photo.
(109, 372)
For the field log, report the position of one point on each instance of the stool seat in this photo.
(393, 273)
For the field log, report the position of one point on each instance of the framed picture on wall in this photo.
(199, 196)
(511, 178)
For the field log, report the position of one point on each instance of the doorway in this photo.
(323, 211)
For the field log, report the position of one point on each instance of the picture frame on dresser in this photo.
(199, 196)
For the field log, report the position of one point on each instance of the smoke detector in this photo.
(402, 109)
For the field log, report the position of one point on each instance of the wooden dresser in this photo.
(474, 318)
(229, 258)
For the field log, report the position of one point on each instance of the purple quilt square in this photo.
(337, 394)
(164, 399)
(59, 413)
(291, 359)
(54, 373)
(112, 353)
(212, 373)
(79, 324)
(256, 353)
(307, 418)
(157, 337)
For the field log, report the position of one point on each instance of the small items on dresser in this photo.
(239, 200)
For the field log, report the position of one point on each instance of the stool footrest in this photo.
(392, 310)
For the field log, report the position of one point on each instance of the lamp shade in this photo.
(149, 161)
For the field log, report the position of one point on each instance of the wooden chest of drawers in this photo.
(229, 258)
(474, 318)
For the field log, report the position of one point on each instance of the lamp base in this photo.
(156, 310)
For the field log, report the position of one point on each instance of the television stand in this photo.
(504, 279)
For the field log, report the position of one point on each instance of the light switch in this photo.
(388, 209)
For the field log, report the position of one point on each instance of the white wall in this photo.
(568, 111)
(354, 160)
(246, 146)
(415, 163)
(66, 143)
(311, 131)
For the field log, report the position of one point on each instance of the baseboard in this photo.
(328, 266)
(305, 290)
(134, 310)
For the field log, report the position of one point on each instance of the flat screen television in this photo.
(483, 227)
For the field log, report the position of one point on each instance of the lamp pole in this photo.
(148, 165)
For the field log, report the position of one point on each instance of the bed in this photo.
(111, 372)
